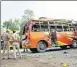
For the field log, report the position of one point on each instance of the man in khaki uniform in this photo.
(5, 37)
(16, 43)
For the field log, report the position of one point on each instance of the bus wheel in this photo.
(41, 47)
(33, 50)
(74, 43)
(63, 47)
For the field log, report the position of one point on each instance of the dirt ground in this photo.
(54, 57)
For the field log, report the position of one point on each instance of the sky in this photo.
(50, 9)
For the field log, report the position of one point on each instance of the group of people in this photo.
(15, 39)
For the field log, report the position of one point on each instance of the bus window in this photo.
(59, 29)
(72, 29)
(36, 28)
(51, 22)
(45, 22)
(65, 28)
(51, 28)
(44, 28)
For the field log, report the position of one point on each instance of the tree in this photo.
(15, 25)
(28, 14)
(12, 25)
(7, 24)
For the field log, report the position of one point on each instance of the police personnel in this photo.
(16, 44)
(5, 37)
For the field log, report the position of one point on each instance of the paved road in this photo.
(54, 57)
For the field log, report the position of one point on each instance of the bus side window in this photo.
(59, 29)
(65, 28)
(71, 29)
(44, 28)
(35, 28)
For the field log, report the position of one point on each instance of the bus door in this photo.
(53, 35)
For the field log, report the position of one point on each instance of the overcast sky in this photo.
(51, 9)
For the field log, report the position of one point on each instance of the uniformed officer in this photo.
(5, 37)
(16, 44)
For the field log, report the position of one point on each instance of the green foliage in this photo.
(28, 14)
(7, 24)
(12, 25)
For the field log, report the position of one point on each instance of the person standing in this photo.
(5, 37)
(16, 44)
(24, 40)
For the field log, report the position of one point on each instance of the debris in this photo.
(65, 52)
(65, 65)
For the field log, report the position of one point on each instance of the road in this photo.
(54, 57)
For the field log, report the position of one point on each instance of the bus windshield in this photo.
(25, 29)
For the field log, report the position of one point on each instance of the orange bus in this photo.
(41, 34)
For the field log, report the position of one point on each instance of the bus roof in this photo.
(53, 20)
(44, 19)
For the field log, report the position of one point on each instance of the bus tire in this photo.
(63, 47)
(41, 47)
(33, 50)
(74, 43)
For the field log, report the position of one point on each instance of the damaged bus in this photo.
(42, 34)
